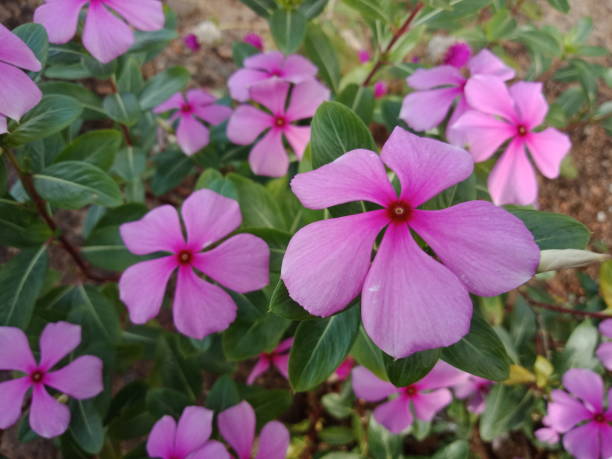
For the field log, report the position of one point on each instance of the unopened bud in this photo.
(554, 259)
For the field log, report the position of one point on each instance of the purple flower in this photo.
(437, 88)
(458, 55)
(18, 94)
(268, 156)
(254, 40)
(191, 41)
(237, 426)
(187, 439)
(200, 308)
(380, 89)
(498, 115)
(261, 67)
(279, 357)
(80, 379)
(192, 110)
(364, 56)
(604, 351)
(105, 36)
(475, 390)
(409, 301)
(426, 397)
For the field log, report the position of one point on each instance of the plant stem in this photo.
(396, 36)
(563, 310)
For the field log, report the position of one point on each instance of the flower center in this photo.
(521, 130)
(410, 391)
(599, 418)
(399, 211)
(186, 108)
(280, 121)
(184, 257)
(276, 73)
(37, 376)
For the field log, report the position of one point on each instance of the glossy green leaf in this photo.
(122, 108)
(269, 404)
(162, 401)
(86, 426)
(382, 444)
(507, 408)
(288, 29)
(402, 372)
(96, 147)
(371, 9)
(561, 5)
(320, 51)
(359, 99)
(258, 208)
(459, 449)
(223, 394)
(97, 313)
(172, 166)
(281, 304)
(263, 8)
(35, 36)
(579, 349)
(162, 86)
(369, 355)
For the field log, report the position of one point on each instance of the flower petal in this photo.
(158, 230)
(240, 263)
(547, 435)
(105, 36)
(513, 180)
(442, 375)
(246, 123)
(201, 308)
(370, 387)
(305, 99)
(270, 61)
(548, 148)
(11, 400)
(530, 103)
(284, 345)
(191, 135)
(427, 405)
(297, 68)
(326, 262)
(59, 18)
(175, 102)
(453, 135)
(605, 328)
(272, 94)
(268, 157)
(145, 15)
(241, 80)
(483, 133)
(213, 114)
(490, 95)
(260, 367)
(81, 378)
(18, 94)
(605, 437)
(394, 415)
(473, 240)
(161, 438)
(237, 426)
(193, 430)
(57, 341)
(200, 97)
(355, 176)
(442, 75)
(425, 167)
(15, 352)
(485, 62)
(142, 287)
(211, 450)
(587, 385)
(410, 302)
(48, 417)
(273, 441)
(281, 362)
(15, 52)
(564, 412)
(298, 137)
(583, 442)
(437, 101)
(604, 354)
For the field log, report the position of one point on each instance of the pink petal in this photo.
(59, 18)
(273, 441)
(175, 102)
(355, 176)
(81, 378)
(586, 385)
(490, 95)
(547, 435)
(427, 405)
(485, 62)
(513, 180)
(530, 102)
(145, 15)
(604, 354)
(48, 417)
(15, 52)
(443, 75)
(208, 217)
(437, 101)
(284, 345)
(395, 415)
(472, 240)
(605, 437)
(200, 97)
(583, 442)
(213, 114)
(105, 36)
(272, 94)
(305, 99)
(18, 94)
(161, 438)
(142, 287)
(605, 328)
(298, 137)
(191, 135)
(442, 375)
(211, 450)
(158, 230)
(370, 387)
(270, 61)
(425, 167)
(297, 68)
(453, 135)
(564, 412)
(483, 133)
(326, 262)
(193, 430)
(237, 426)
(246, 123)
(281, 362)
(548, 148)
(201, 308)
(15, 353)
(241, 80)
(11, 400)
(410, 302)
(261, 366)
(57, 341)
(268, 157)
(240, 263)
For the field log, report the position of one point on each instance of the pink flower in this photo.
(237, 426)
(581, 416)
(18, 94)
(273, 65)
(475, 390)
(191, 111)
(604, 351)
(437, 88)
(200, 308)
(426, 397)
(279, 357)
(254, 40)
(191, 41)
(458, 55)
(80, 379)
(189, 439)
(380, 89)
(344, 369)
(268, 156)
(105, 36)
(511, 115)
(364, 56)
(409, 301)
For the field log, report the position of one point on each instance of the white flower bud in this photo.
(207, 32)
(554, 259)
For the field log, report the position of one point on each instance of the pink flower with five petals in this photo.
(279, 357)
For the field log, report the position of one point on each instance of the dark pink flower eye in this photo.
(399, 211)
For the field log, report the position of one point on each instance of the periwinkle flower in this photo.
(279, 358)
(474, 389)
(604, 351)
(254, 40)
(458, 55)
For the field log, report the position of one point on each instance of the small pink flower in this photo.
(279, 357)
(272, 65)
(192, 110)
(344, 369)
(200, 308)
(254, 40)
(191, 41)
(187, 439)
(580, 415)
(604, 351)
(80, 379)
(409, 301)
(364, 56)
(498, 115)
(458, 55)
(426, 397)
(237, 426)
(268, 156)
(380, 89)
(18, 94)
(475, 390)
(437, 88)
(105, 36)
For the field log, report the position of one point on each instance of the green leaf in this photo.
(337, 435)
(403, 372)
(359, 99)
(312, 8)
(122, 108)
(35, 36)
(162, 401)
(105, 249)
(95, 147)
(480, 352)
(263, 8)
(288, 29)
(522, 331)
(86, 426)
(74, 184)
(242, 50)
(459, 449)
(383, 444)
(21, 226)
(320, 51)
(21, 280)
(579, 349)
(369, 355)
(281, 304)
(371, 9)
(507, 408)
(177, 370)
(258, 208)
(268, 404)
(172, 166)
(561, 5)
(223, 394)
(130, 78)
(89, 101)
(162, 86)
(320, 346)
(51, 115)
(97, 314)
(553, 231)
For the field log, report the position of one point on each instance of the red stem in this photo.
(576, 312)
